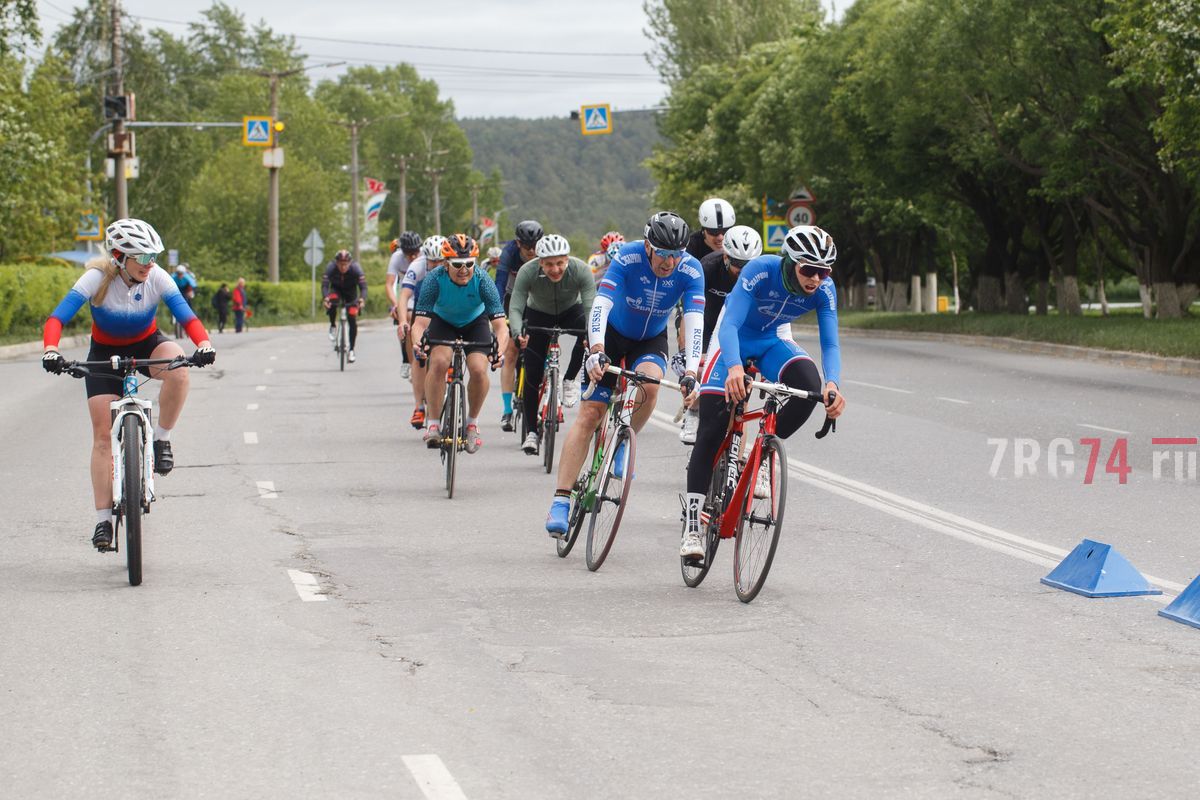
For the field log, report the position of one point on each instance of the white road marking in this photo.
(250, 437)
(885, 388)
(268, 371)
(435, 780)
(252, 407)
(952, 400)
(1099, 428)
(307, 586)
(272, 358)
(260, 388)
(266, 490)
(932, 518)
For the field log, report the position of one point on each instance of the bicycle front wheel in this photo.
(581, 500)
(131, 452)
(451, 419)
(341, 344)
(550, 421)
(760, 522)
(694, 570)
(609, 505)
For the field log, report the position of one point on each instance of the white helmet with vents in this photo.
(431, 248)
(552, 245)
(743, 243)
(808, 244)
(133, 237)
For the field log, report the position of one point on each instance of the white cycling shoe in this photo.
(692, 545)
(691, 424)
(570, 391)
(762, 485)
(530, 445)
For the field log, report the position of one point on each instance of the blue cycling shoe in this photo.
(556, 520)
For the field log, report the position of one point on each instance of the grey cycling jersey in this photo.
(534, 290)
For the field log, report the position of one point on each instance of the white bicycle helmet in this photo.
(808, 244)
(743, 243)
(716, 214)
(133, 237)
(431, 248)
(552, 245)
(493, 252)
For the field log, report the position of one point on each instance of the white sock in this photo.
(161, 434)
(472, 421)
(103, 515)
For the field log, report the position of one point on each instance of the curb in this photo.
(1184, 367)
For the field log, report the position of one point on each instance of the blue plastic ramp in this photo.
(1186, 607)
(1094, 569)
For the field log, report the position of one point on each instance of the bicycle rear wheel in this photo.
(550, 421)
(131, 452)
(695, 570)
(451, 419)
(518, 410)
(609, 505)
(759, 525)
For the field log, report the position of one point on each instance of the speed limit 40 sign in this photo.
(801, 214)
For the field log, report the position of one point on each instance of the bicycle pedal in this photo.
(694, 562)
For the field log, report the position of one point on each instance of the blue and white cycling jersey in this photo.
(638, 303)
(759, 304)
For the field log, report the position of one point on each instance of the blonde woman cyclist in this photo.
(123, 289)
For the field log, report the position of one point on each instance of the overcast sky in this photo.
(605, 38)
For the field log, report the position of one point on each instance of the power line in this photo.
(467, 69)
(425, 46)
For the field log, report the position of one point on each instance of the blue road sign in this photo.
(256, 131)
(594, 120)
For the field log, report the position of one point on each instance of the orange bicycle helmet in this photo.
(460, 247)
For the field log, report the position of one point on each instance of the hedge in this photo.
(32, 290)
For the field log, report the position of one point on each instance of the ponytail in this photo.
(108, 267)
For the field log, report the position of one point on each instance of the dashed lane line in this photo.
(260, 388)
(252, 406)
(435, 780)
(1101, 428)
(885, 388)
(266, 490)
(250, 437)
(953, 400)
(307, 586)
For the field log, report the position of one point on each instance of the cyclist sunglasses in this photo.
(463, 266)
(736, 263)
(716, 231)
(668, 253)
(813, 271)
(146, 259)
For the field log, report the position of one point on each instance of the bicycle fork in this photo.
(131, 406)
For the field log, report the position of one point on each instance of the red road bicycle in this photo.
(743, 505)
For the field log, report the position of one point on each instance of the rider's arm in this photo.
(520, 296)
(509, 262)
(737, 306)
(68, 307)
(389, 288)
(179, 307)
(325, 280)
(492, 305)
(827, 327)
(611, 287)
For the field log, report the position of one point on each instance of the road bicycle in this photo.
(600, 494)
(518, 408)
(453, 422)
(132, 450)
(742, 505)
(341, 342)
(550, 408)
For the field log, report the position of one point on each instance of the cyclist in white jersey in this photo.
(410, 288)
(405, 249)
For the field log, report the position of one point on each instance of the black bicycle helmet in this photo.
(529, 231)
(410, 241)
(668, 231)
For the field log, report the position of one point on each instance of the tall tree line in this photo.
(1034, 143)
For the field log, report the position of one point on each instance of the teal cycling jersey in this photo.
(459, 305)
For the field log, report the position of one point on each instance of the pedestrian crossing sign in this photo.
(595, 120)
(774, 231)
(256, 131)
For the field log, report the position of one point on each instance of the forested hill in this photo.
(573, 184)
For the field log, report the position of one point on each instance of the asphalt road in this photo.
(318, 620)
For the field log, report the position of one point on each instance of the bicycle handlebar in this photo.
(554, 330)
(125, 365)
(637, 377)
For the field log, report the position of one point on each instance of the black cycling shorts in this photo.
(96, 384)
(477, 330)
(635, 352)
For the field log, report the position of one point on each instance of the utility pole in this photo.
(122, 189)
(402, 161)
(475, 189)
(436, 176)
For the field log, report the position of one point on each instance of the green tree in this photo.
(18, 23)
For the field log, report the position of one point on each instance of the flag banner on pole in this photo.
(375, 205)
(488, 234)
(374, 186)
